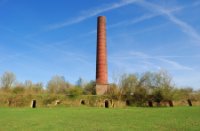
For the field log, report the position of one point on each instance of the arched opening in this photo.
(189, 102)
(170, 103)
(82, 102)
(150, 103)
(57, 102)
(106, 104)
(33, 105)
(128, 102)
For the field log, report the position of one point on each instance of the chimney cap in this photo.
(101, 17)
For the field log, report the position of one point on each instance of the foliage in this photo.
(140, 96)
(7, 80)
(138, 89)
(74, 91)
(183, 93)
(90, 88)
(19, 89)
(49, 99)
(113, 91)
(57, 84)
(80, 83)
(128, 84)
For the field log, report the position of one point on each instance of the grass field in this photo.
(100, 119)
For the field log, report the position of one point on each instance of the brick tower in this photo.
(101, 59)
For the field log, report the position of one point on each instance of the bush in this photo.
(75, 91)
(18, 90)
(90, 88)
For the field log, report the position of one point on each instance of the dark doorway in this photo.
(128, 102)
(33, 104)
(106, 104)
(57, 102)
(189, 102)
(170, 103)
(82, 102)
(150, 103)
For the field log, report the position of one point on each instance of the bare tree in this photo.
(80, 83)
(128, 83)
(7, 80)
(57, 84)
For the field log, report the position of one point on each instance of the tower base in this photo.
(101, 89)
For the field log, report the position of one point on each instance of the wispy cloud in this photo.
(59, 49)
(197, 3)
(152, 62)
(92, 12)
(136, 20)
(36, 46)
(141, 18)
(175, 64)
(185, 27)
(157, 11)
(133, 21)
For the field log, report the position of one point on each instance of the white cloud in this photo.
(197, 3)
(186, 28)
(148, 62)
(174, 65)
(92, 12)
(142, 18)
(136, 20)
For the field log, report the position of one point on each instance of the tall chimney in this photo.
(101, 59)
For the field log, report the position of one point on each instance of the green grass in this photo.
(100, 119)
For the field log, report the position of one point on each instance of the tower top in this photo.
(101, 17)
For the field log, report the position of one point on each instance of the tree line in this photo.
(138, 88)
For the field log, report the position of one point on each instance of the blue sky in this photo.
(40, 39)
